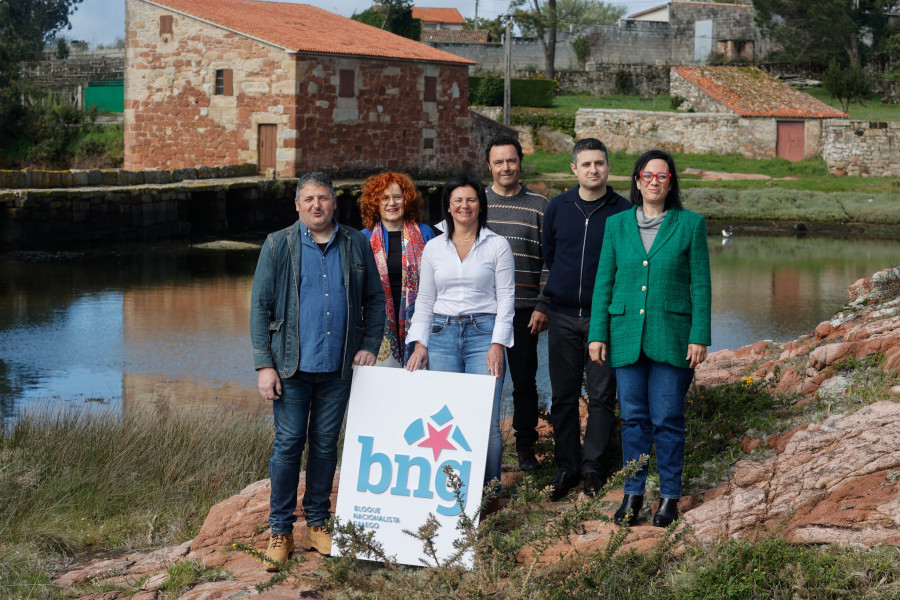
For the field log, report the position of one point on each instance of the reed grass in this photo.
(73, 480)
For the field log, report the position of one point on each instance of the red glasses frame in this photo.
(648, 176)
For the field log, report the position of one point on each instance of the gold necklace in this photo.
(463, 241)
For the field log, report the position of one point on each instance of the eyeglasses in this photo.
(387, 199)
(660, 177)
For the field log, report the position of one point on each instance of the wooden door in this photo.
(790, 143)
(268, 135)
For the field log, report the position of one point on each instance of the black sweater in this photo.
(571, 240)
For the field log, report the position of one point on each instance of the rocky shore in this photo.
(834, 479)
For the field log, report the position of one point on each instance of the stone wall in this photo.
(862, 147)
(600, 79)
(173, 118)
(39, 179)
(636, 131)
(631, 42)
(848, 147)
(527, 54)
(387, 125)
(38, 219)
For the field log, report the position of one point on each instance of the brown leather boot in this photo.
(317, 538)
(279, 550)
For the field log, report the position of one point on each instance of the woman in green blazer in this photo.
(651, 321)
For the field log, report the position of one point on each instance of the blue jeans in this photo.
(311, 405)
(651, 396)
(460, 345)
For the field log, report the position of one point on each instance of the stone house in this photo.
(438, 19)
(694, 30)
(774, 119)
(289, 87)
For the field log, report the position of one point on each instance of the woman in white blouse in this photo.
(464, 311)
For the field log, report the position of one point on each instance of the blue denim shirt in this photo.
(275, 303)
(323, 298)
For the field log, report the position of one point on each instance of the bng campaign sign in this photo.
(403, 428)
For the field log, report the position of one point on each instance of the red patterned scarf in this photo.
(412, 246)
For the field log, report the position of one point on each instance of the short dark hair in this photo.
(673, 198)
(315, 178)
(503, 140)
(458, 181)
(588, 144)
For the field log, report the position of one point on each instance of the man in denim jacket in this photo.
(317, 309)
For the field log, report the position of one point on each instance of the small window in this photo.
(347, 84)
(428, 144)
(165, 25)
(224, 82)
(430, 89)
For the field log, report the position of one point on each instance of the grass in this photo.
(570, 103)
(872, 110)
(77, 483)
(73, 483)
(183, 576)
(94, 147)
(810, 175)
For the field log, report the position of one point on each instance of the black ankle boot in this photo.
(666, 513)
(631, 506)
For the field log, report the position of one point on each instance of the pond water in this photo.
(160, 324)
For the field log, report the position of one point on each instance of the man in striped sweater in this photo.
(517, 213)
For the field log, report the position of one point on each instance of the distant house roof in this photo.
(663, 9)
(750, 92)
(438, 15)
(455, 37)
(304, 28)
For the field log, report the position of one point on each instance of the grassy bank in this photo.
(801, 191)
(74, 486)
(77, 484)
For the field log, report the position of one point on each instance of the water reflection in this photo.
(167, 324)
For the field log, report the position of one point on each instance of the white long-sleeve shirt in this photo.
(482, 283)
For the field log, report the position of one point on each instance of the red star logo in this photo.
(437, 440)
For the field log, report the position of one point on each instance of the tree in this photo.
(494, 27)
(394, 16)
(541, 19)
(25, 28)
(847, 83)
(819, 31)
(62, 48)
(575, 14)
(535, 19)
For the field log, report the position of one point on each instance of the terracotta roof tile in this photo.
(304, 28)
(455, 37)
(750, 92)
(438, 15)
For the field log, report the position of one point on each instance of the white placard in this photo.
(402, 429)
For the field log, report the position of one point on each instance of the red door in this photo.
(790, 143)
(266, 147)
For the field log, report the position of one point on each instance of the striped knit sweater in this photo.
(519, 219)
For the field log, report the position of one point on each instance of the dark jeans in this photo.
(567, 346)
(651, 395)
(522, 360)
(311, 405)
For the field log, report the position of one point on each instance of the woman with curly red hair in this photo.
(391, 207)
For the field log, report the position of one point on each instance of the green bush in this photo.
(544, 118)
(485, 91)
(488, 91)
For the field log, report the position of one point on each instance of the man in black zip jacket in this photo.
(571, 240)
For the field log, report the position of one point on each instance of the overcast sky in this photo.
(102, 21)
